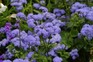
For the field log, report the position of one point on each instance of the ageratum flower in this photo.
(29, 55)
(29, 16)
(58, 23)
(37, 17)
(8, 27)
(2, 30)
(87, 30)
(14, 33)
(21, 15)
(52, 53)
(18, 4)
(48, 16)
(31, 40)
(89, 15)
(38, 30)
(77, 6)
(8, 54)
(23, 1)
(62, 11)
(59, 47)
(23, 34)
(57, 59)
(74, 54)
(83, 11)
(16, 41)
(4, 42)
(31, 23)
(14, 0)
(56, 29)
(58, 12)
(45, 33)
(7, 61)
(20, 60)
(55, 38)
(19, 8)
(36, 5)
(44, 9)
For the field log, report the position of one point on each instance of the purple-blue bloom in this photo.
(19, 8)
(20, 60)
(77, 6)
(7, 61)
(74, 54)
(87, 30)
(57, 59)
(29, 55)
(55, 38)
(52, 53)
(17, 4)
(89, 15)
(36, 5)
(21, 15)
(29, 16)
(44, 9)
(31, 23)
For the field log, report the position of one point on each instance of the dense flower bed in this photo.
(46, 31)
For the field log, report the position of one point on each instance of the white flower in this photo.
(2, 8)
(13, 16)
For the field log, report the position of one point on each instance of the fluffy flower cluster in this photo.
(57, 59)
(83, 10)
(18, 4)
(17, 60)
(74, 54)
(40, 7)
(45, 26)
(59, 12)
(53, 52)
(87, 30)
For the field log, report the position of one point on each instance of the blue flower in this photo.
(90, 15)
(4, 42)
(77, 6)
(74, 54)
(29, 55)
(37, 17)
(59, 47)
(16, 41)
(21, 15)
(7, 61)
(44, 9)
(55, 38)
(29, 16)
(36, 5)
(19, 8)
(23, 1)
(16, 4)
(31, 23)
(18, 60)
(87, 30)
(14, 33)
(57, 59)
(52, 53)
